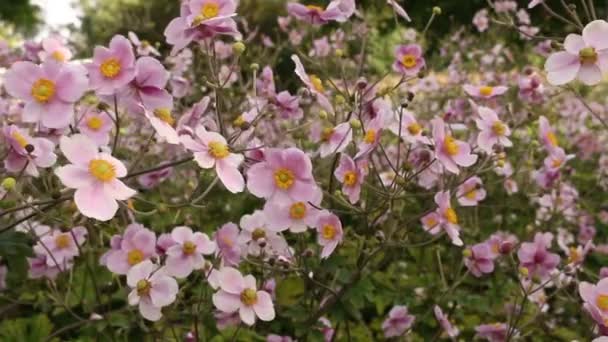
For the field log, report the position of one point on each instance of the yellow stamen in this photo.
(58, 56)
(110, 68)
(327, 133)
(552, 138)
(471, 194)
(135, 256)
(486, 90)
(210, 10)
(297, 211)
(164, 114)
(249, 297)
(602, 302)
(431, 222)
(409, 61)
(328, 232)
(414, 128)
(317, 84)
(450, 146)
(370, 136)
(20, 139)
(43, 90)
(587, 55)
(94, 123)
(103, 170)
(258, 233)
(284, 178)
(218, 150)
(315, 8)
(188, 248)
(63, 241)
(350, 178)
(450, 215)
(143, 287)
(499, 128)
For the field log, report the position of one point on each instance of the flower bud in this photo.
(254, 66)
(340, 99)
(437, 10)
(505, 247)
(9, 183)
(355, 123)
(467, 253)
(323, 114)
(56, 195)
(524, 271)
(102, 106)
(339, 53)
(238, 48)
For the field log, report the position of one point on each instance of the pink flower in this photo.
(411, 131)
(187, 253)
(96, 125)
(397, 322)
(484, 91)
(556, 159)
(471, 192)
(48, 90)
(585, 58)
(493, 131)
(297, 216)
(95, 176)
(351, 176)
(54, 48)
(59, 247)
(211, 149)
(18, 157)
(444, 217)
(595, 299)
(329, 232)
(201, 19)
(535, 257)
(278, 338)
(153, 179)
(481, 21)
(479, 259)
(162, 121)
(337, 10)
(445, 324)
(257, 237)
(371, 139)
(285, 175)
(144, 48)
(335, 139)
(496, 332)
(287, 106)
(451, 152)
(408, 59)
(38, 267)
(531, 87)
(136, 245)
(238, 293)
(314, 84)
(398, 9)
(546, 134)
(163, 243)
(151, 289)
(147, 88)
(112, 68)
(228, 247)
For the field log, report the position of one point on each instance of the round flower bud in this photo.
(323, 114)
(467, 253)
(238, 48)
(340, 99)
(102, 106)
(355, 123)
(9, 183)
(437, 10)
(254, 66)
(524, 271)
(339, 53)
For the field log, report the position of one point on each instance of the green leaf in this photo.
(289, 291)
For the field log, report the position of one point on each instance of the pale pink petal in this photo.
(181, 234)
(226, 302)
(596, 34)
(78, 149)
(74, 177)
(118, 190)
(264, 308)
(92, 201)
(178, 265)
(149, 311)
(230, 176)
(231, 280)
(247, 315)
(163, 291)
(590, 74)
(574, 43)
(139, 272)
(260, 180)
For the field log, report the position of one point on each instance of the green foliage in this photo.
(32, 329)
(21, 14)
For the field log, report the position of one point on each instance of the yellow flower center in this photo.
(103, 170)
(94, 123)
(587, 55)
(327, 133)
(58, 56)
(317, 84)
(164, 114)
(328, 232)
(451, 216)
(297, 211)
(188, 248)
(315, 8)
(486, 90)
(450, 146)
(602, 302)
(210, 10)
(43, 90)
(284, 178)
(110, 68)
(495, 248)
(556, 163)
(20, 139)
(431, 222)
(63, 241)
(239, 121)
(135, 256)
(218, 150)
(414, 128)
(249, 297)
(552, 138)
(370, 136)
(226, 240)
(258, 233)
(499, 128)
(350, 178)
(574, 255)
(471, 194)
(143, 287)
(409, 61)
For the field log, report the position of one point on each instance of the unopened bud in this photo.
(355, 123)
(339, 53)
(9, 183)
(323, 114)
(437, 10)
(162, 208)
(56, 195)
(524, 271)
(308, 253)
(254, 66)
(505, 247)
(467, 253)
(102, 106)
(238, 48)
(340, 99)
